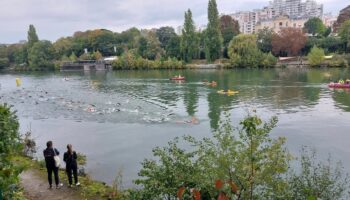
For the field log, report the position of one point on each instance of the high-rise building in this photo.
(294, 9)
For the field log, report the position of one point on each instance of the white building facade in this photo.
(293, 8)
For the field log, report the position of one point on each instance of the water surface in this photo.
(116, 118)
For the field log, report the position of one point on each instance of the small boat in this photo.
(178, 78)
(228, 92)
(339, 85)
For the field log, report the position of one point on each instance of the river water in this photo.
(116, 118)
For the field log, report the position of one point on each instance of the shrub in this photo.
(10, 145)
(317, 180)
(316, 56)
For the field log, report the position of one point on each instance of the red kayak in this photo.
(338, 85)
(177, 78)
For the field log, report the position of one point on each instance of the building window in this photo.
(286, 24)
(294, 25)
(281, 23)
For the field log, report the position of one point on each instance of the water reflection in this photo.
(133, 111)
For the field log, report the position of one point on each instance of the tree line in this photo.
(220, 40)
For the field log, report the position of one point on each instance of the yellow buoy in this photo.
(18, 82)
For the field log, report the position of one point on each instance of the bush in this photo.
(131, 61)
(318, 180)
(10, 145)
(316, 56)
(234, 159)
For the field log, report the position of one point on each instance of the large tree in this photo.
(213, 42)
(229, 28)
(4, 61)
(188, 40)
(265, 39)
(40, 56)
(32, 36)
(344, 33)
(243, 51)
(288, 42)
(164, 35)
(315, 26)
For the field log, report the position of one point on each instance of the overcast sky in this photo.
(57, 18)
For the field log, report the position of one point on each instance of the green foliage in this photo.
(32, 36)
(316, 56)
(238, 157)
(149, 46)
(229, 28)
(213, 40)
(243, 52)
(315, 26)
(129, 61)
(41, 55)
(165, 34)
(188, 40)
(173, 48)
(97, 55)
(264, 39)
(318, 180)
(10, 145)
(73, 57)
(344, 33)
(269, 60)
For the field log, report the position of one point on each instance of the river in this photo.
(116, 118)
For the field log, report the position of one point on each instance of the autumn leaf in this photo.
(222, 196)
(196, 194)
(234, 187)
(181, 192)
(219, 184)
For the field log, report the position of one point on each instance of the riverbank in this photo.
(33, 181)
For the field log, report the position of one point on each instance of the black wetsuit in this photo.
(71, 166)
(49, 153)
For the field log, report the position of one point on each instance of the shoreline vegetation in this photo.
(234, 163)
(220, 43)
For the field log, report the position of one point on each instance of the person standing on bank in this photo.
(49, 154)
(70, 157)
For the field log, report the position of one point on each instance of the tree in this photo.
(315, 26)
(344, 33)
(316, 56)
(149, 46)
(142, 49)
(97, 55)
(243, 51)
(264, 39)
(188, 39)
(229, 28)
(173, 48)
(63, 46)
(164, 35)
(213, 42)
(32, 36)
(40, 56)
(288, 42)
(4, 61)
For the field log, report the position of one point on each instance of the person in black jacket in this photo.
(70, 157)
(49, 154)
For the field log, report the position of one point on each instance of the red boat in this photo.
(339, 85)
(177, 78)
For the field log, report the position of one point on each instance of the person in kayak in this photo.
(70, 157)
(49, 154)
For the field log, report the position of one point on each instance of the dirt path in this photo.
(35, 187)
